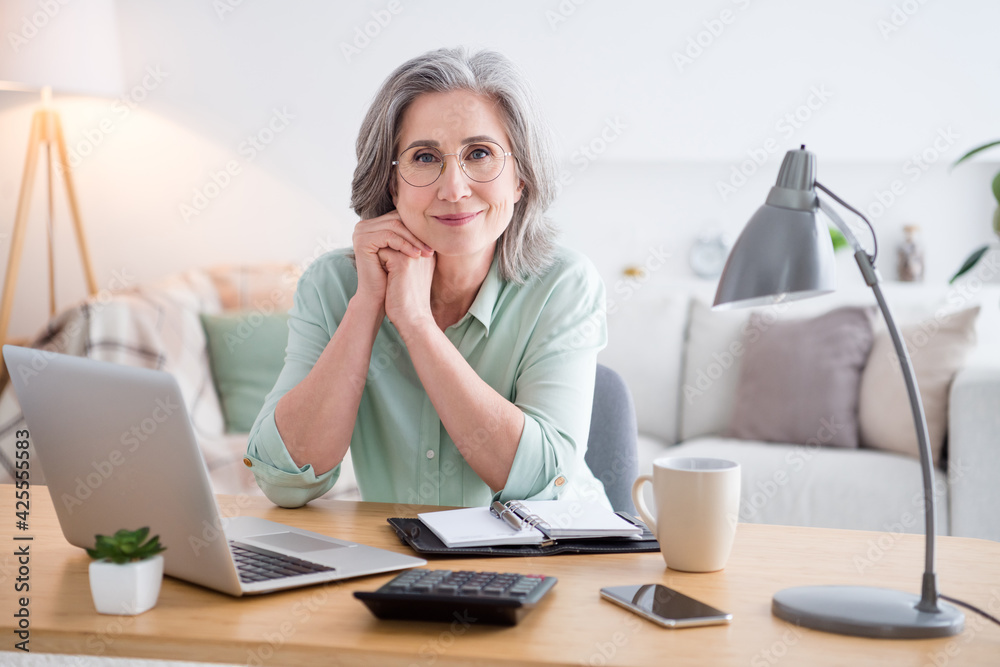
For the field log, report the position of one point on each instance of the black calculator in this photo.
(494, 598)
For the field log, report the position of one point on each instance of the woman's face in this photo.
(455, 215)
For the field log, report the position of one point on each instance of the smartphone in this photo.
(665, 606)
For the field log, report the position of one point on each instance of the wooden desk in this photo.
(572, 626)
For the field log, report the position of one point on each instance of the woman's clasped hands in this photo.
(395, 270)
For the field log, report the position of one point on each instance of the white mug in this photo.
(697, 508)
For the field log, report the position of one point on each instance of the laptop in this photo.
(118, 451)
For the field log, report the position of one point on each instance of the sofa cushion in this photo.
(264, 287)
(711, 370)
(247, 352)
(799, 379)
(654, 375)
(938, 348)
(826, 487)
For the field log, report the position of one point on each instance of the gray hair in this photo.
(526, 246)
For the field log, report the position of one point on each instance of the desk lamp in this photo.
(784, 254)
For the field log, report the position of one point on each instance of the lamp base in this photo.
(864, 611)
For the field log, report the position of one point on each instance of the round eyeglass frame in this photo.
(461, 163)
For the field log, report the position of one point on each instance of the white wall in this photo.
(880, 96)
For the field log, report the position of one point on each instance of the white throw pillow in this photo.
(711, 370)
(645, 343)
(938, 348)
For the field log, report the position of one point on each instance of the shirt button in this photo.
(430, 453)
(560, 480)
(247, 462)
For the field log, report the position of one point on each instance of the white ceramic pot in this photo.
(127, 589)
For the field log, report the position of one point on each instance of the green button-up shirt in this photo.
(536, 344)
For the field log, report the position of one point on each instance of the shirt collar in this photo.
(484, 305)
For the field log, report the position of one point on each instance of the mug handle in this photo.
(640, 502)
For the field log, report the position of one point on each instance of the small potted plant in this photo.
(126, 574)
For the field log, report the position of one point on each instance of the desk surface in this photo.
(572, 626)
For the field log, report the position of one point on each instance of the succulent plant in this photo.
(125, 546)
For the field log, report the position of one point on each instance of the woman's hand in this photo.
(408, 289)
(386, 232)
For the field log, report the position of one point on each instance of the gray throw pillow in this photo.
(800, 379)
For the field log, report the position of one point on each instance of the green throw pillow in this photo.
(247, 352)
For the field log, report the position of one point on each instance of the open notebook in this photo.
(526, 522)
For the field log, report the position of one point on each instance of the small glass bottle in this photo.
(911, 256)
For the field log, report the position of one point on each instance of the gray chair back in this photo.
(612, 446)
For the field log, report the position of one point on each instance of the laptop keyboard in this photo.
(255, 564)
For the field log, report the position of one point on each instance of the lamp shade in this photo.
(782, 255)
(72, 47)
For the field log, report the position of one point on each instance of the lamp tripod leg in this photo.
(74, 208)
(20, 228)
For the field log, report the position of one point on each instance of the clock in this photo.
(708, 255)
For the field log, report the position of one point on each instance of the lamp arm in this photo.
(866, 262)
(848, 234)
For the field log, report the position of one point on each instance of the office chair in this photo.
(611, 448)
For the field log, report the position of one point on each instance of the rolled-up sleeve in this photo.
(319, 304)
(555, 390)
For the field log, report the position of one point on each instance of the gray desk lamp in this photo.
(784, 254)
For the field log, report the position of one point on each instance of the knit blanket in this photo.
(155, 326)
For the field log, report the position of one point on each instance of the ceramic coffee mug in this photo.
(697, 508)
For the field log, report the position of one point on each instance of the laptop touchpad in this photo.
(293, 542)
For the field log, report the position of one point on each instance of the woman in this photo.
(455, 352)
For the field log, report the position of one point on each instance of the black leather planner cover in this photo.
(418, 537)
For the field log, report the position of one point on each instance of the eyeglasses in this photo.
(421, 166)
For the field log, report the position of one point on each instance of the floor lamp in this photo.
(784, 254)
(74, 52)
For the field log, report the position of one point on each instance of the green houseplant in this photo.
(978, 253)
(127, 571)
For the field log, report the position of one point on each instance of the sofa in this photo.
(677, 355)
(663, 339)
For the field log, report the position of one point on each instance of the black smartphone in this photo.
(665, 606)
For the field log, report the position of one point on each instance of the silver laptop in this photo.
(118, 451)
